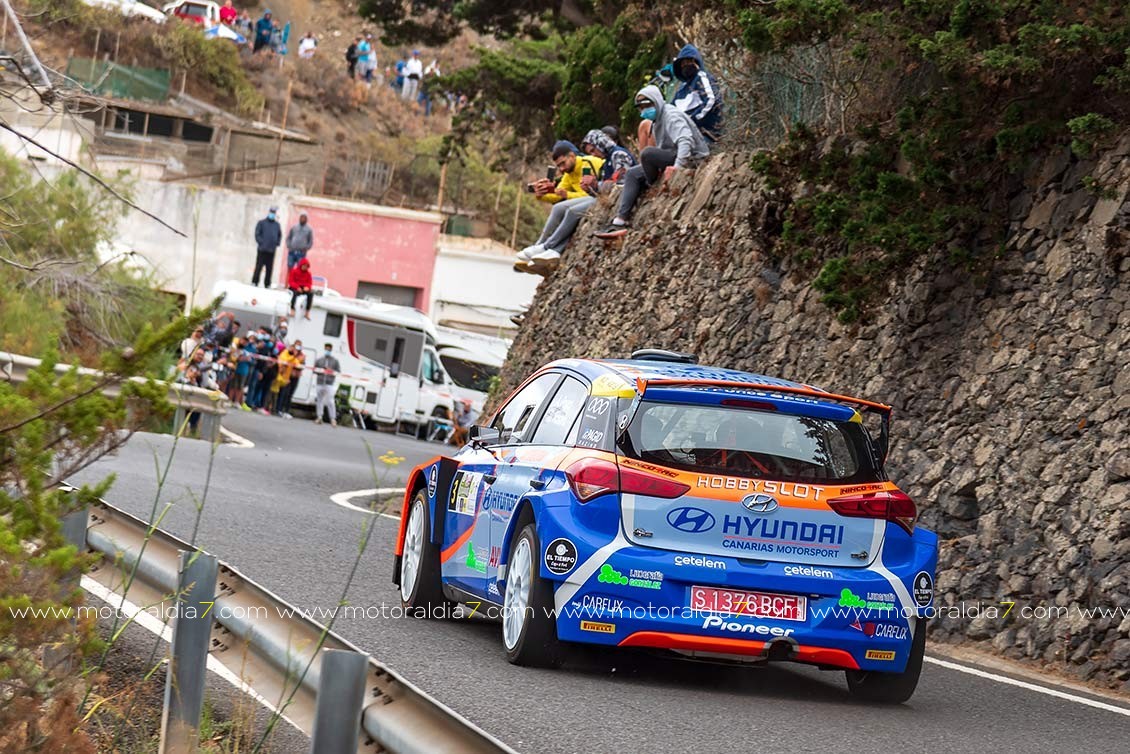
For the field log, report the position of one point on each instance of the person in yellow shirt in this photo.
(571, 196)
(288, 359)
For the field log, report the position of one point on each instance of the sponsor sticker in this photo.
(635, 578)
(848, 598)
(464, 493)
(879, 654)
(433, 479)
(560, 556)
(600, 628)
(819, 573)
(475, 560)
(714, 621)
(923, 589)
(701, 562)
(881, 630)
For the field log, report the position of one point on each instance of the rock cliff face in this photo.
(1011, 390)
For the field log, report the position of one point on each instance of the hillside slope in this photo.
(1011, 394)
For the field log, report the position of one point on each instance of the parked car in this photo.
(130, 8)
(659, 504)
(202, 12)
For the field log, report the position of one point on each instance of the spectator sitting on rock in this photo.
(617, 160)
(264, 29)
(463, 422)
(307, 46)
(573, 194)
(698, 94)
(301, 283)
(679, 145)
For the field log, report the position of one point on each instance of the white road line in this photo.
(238, 441)
(149, 622)
(343, 498)
(1030, 686)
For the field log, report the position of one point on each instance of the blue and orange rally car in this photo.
(657, 503)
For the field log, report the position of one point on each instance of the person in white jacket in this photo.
(413, 72)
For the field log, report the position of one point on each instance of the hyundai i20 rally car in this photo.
(660, 504)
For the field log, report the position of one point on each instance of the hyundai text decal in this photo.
(691, 520)
(786, 531)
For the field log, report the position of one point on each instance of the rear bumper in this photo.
(630, 596)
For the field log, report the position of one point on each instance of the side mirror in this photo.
(481, 435)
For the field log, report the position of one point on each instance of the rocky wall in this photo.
(1011, 390)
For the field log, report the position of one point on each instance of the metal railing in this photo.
(271, 647)
(210, 405)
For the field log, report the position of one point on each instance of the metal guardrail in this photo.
(269, 644)
(211, 405)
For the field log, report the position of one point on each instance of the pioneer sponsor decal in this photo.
(790, 489)
(737, 627)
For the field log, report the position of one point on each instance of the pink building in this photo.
(365, 250)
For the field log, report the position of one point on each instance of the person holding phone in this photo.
(571, 196)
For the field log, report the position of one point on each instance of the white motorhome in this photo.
(387, 353)
(472, 360)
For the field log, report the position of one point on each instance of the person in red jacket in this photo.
(301, 282)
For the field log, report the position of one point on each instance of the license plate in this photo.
(754, 604)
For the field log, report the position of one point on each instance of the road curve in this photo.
(268, 511)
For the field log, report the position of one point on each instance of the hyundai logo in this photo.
(759, 502)
(691, 520)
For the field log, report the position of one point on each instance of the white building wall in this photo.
(475, 286)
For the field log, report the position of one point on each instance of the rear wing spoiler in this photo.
(882, 409)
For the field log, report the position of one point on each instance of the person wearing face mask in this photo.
(268, 235)
(299, 240)
(294, 357)
(326, 369)
(679, 145)
(698, 93)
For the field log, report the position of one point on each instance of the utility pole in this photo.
(282, 131)
(442, 184)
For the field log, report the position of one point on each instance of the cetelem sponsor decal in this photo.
(819, 573)
(600, 628)
(760, 485)
(721, 624)
(701, 562)
(879, 654)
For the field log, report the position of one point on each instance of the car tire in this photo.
(529, 630)
(420, 583)
(891, 688)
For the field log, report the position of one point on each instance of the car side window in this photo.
(513, 421)
(561, 413)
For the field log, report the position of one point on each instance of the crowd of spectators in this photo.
(673, 135)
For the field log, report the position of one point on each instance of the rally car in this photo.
(661, 504)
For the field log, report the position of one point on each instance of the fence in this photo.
(110, 79)
(345, 700)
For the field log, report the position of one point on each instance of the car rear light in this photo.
(891, 505)
(591, 477)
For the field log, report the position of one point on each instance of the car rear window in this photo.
(751, 443)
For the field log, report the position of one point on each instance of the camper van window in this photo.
(469, 374)
(333, 325)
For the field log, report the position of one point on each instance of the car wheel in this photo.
(891, 688)
(529, 631)
(420, 584)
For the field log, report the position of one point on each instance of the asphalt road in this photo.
(268, 512)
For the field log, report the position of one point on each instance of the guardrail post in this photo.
(178, 420)
(188, 666)
(341, 691)
(74, 532)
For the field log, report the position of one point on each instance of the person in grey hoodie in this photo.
(679, 145)
(299, 239)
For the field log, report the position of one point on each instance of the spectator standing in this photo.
(351, 57)
(228, 14)
(398, 84)
(296, 358)
(299, 240)
(238, 382)
(245, 26)
(425, 98)
(268, 235)
(366, 59)
(679, 145)
(301, 283)
(264, 30)
(267, 388)
(413, 72)
(190, 345)
(326, 369)
(574, 193)
(307, 46)
(697, 95)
